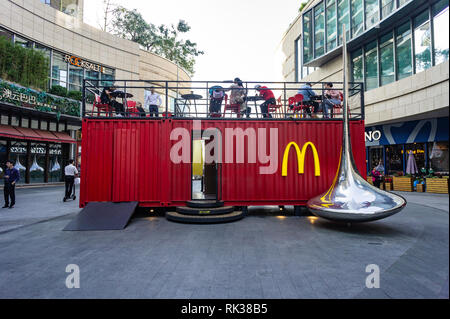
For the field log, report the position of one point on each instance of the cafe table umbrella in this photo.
(411, 167)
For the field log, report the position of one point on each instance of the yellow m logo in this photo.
(301, 154)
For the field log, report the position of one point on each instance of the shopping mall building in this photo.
(42, 142)
(399, 50)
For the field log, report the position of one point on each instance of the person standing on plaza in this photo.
(70, 172)
(152, 102)
(11, 177)
(269, 99)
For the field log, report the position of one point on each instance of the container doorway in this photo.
(204, 179)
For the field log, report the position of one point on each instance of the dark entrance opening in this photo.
(204, 170)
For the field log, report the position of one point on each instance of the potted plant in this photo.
(388, 183)
(403, 183)
(419, 185)
(437, 184)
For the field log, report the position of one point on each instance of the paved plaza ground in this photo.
(262, 256)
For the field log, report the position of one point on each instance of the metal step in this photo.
(208, 219)
(204, 211)
(204, 204)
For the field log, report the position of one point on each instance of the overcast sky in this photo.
(241, 38)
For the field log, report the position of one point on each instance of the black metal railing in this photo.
(204, 100)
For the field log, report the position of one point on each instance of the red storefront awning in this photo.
(23, 133)
(11, 132)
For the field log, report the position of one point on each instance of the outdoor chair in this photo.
(233, 108)
(101, 107)
(275, 108)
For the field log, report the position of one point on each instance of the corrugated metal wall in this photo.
(130, 161)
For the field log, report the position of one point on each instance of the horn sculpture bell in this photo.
(351, 198)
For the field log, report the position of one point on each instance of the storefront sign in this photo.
(73, 60)
(429, 130)
(8, 94)
(34, 150)
(373, 136)
(301, 154)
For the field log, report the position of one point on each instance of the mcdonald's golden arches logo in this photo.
(301, 155)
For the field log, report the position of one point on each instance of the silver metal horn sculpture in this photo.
(351, 198)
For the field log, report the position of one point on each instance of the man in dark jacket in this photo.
(11, 177)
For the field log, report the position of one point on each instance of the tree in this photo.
(302, 5)
(162, 40)
(108, 9)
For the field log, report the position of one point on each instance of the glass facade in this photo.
(387, 59)
(371, 65)
(372, 13)
(331, 25)
(411, 47)
(403, 50)
(422, 42)
(307, 37)
(69, 7)
(343, 18)
(63, 73)
(357, 17)
(441, 34)
(319, 29)
(387, 7)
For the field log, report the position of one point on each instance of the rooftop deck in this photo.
(219, 100)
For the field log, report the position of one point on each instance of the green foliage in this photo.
(302, 5)
(58, 90)
(21, 65)
(43, 101)
(75, 95)
(163, 40)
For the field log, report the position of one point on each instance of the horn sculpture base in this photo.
(354, 200)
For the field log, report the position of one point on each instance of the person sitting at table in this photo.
(152, 102)
(308, 95)
(269, 99)
(239, 96)
(106, 98)
(140, 109)
(332, 98)
(216, 94)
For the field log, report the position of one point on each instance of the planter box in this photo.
(404, 184)
(420, 188)
(388, 186)
(369, 180)
(437, 185)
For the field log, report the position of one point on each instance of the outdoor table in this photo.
(191, 97)
(255, 99)
(124, 96)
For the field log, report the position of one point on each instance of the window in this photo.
(331, 25)
(298, 60)
(387, 59)
(422, 42)
(108, 77)
(418, 151)
(59, 70)
(357, 66)
(76, 75)
(307, 42)
(55, 169)
(441, 34)
(438, 157)
(402, 2)
(394, 159)
(357, 17)
(18, 155)
(23, 42)
(37, 167)
(319, 30)
(371, 65)
(404, 54)
(372, 15)
(343, 18)
(387, 6)
(5, 33)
